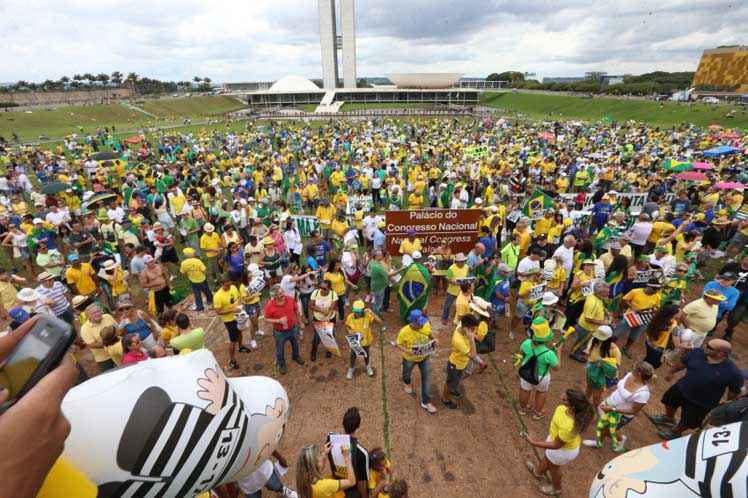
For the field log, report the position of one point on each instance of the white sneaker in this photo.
(429, 407)
(193, 308)
(511, 335)
(289, 493)
(591, 443)
(253, 344)
(349, 374)
(370, 371)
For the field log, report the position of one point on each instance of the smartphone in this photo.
(40, 351)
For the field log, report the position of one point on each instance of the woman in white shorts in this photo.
(545, 360)
(570, 419)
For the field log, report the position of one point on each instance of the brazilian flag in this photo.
(485, 280)
(413, 292)
(538, 202)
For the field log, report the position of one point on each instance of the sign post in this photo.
(456, 227)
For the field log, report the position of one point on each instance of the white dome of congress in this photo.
(294, 84)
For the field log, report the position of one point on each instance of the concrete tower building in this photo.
(328, 42)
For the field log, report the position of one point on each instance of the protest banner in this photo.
(326, 336)
(536, 292)
(425, 349)
(434, 227)
(354, 342)
(643, 276)
(337, 443)
(366, 200)
(305, 224)
(476, 152)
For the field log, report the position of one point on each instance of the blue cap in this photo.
(73, 257)
(417, 317)
(18, 314)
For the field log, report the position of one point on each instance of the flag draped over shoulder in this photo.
(413, 292)
(538, 202)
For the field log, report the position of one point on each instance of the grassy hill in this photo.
(61, 121)
(191, 107)
(544, 106)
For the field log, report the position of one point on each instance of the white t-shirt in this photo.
(526, 264)
(288, 286)
(622, 399)
(567, 256)
(117, 214)
(56, 218)
(640, 232)
(257, 479)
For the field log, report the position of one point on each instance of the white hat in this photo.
(110, 263)
(603, 333)
(147, 258)
(253, 268)
(460, 257)
(38, 220)
(480, 306)
(45, 275)
(416, 255)
(27, 295)
(208, 227)
(549, 299)
(478, 200)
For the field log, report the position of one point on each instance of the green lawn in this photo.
(543, 106)
(388, 105)
(65, 120)
(192, 107)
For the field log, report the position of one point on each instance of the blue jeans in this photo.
(377, 302)
(198, 290)
(447, 309)
(273, 484)
(281, 337)
(425, 368)
(632, 334)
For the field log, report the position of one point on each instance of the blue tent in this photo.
(720, 151)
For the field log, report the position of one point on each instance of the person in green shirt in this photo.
(379, 279)
(510, 253)
(546, 360)
(190, 230)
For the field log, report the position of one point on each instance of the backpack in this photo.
(528, 371)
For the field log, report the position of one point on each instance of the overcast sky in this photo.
(251, 40)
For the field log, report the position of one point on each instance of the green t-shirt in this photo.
(546, 358)
(379, 276)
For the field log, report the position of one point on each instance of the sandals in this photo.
(537, 416)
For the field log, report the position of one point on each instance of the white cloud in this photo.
(235, 40)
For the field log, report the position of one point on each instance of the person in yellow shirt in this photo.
(410, 244)
(522, 230)
(359, 323)
(544, 224)
(463, 349)
(641, 301)
(112, 273)
(310, 194)
(310, 482)
(325, 213)
(455, 273)
(415, 199)
(195, 271)
(211, 246)
(339, 225)
(570, 419)
(80, 276)
(417, 334)
(226, 304)
(594, 313)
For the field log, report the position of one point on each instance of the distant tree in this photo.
(90, 78)
(492, 77)
(78, 78)
(207, 80)
(510, 76)
(116, 78)
(197, 79)
(132, 77)
(361, 83)
(64, 80)
(103, 77)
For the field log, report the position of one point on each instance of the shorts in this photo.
(233, 329)
(691, 414)
(520, 309)
(542, 387)
(252, 309)
(149, 343)
(561, 456)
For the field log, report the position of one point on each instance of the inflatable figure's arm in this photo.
(214, 388)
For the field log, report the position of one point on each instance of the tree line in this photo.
(88, 81)
(658, 82)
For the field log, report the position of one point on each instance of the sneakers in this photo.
(370, 371)
(253, 344)
(592, 443)
(243, 349)
(448, 403)
(511, 335)
(430, 408)
(289, 493)
(349, 374)
(233, 365)
(299, 361)
(283, 370)
(193, 308)
(621, 446)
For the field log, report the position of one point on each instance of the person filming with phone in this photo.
(33, 428)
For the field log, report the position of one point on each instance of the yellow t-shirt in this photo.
(361, 325)
(562, 427)
(115, 352)
(7, 295)
(375, 478)
(325, 488)
(454, 274)
(576, 294)
(524, 291)
(460, 355)
(409, 337)
(554, 234)
(558, 279)
(247, 297)
(543, 226)
(407, 247)
(194, 269)
(337, 282)
(210, 243)
(462, 307)
(594, 308)
(325, 215)
(226, 299)
(81, 278)
(91, 332)
(339, 227)
(638, 300)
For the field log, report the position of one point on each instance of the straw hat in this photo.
(209, 228)
(603, 333)
(460, 257)
(27, 295)
(45, 275)
(716, 295)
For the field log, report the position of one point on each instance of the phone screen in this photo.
(26, 357)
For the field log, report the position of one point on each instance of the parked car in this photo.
(710, 100)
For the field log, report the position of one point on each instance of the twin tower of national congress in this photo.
(331, 42)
